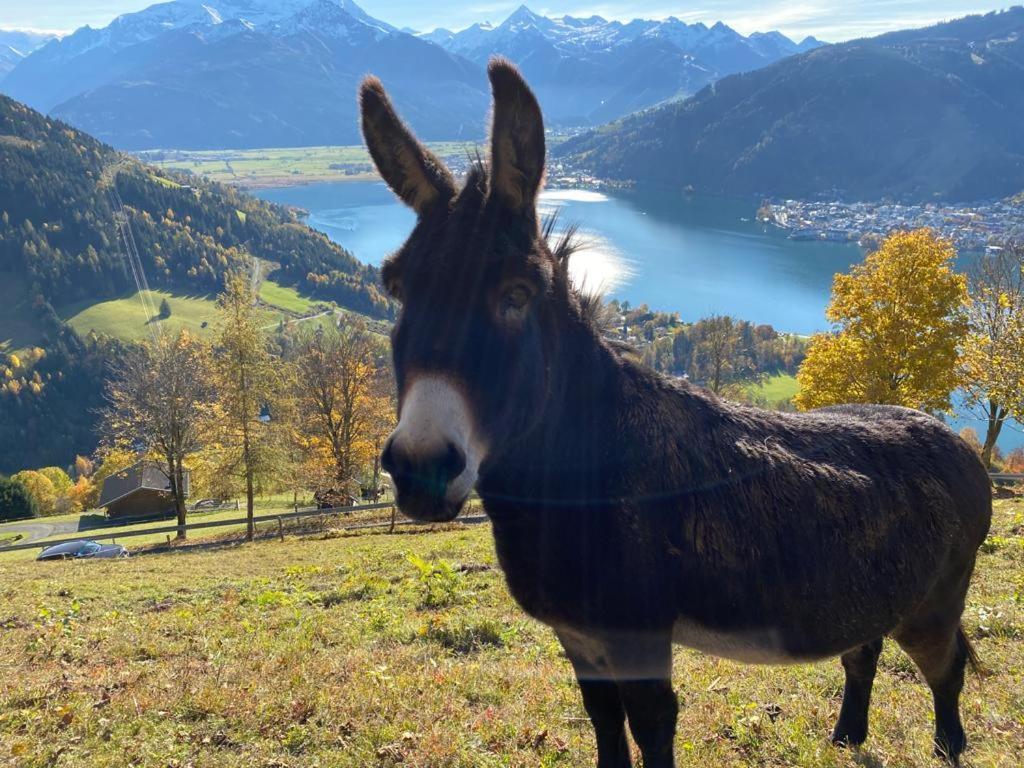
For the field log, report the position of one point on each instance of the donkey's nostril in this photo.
(454, 462)
(430, 473)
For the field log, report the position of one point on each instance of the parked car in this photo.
(80, 550)
(207, 504)
(330, 498)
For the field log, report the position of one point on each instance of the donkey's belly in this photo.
(757, 646)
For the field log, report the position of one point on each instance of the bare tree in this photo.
(719, 358)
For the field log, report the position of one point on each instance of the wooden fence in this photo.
(997, 477)
(168, 529)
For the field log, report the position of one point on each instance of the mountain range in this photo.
(590, 70)
(16, 44)
(194, 74)
(932, 113)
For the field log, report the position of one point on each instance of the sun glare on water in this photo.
(598, 267)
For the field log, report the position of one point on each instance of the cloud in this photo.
(35, 30)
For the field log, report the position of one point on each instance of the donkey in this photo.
(631, 511)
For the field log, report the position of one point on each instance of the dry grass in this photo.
(370, 650)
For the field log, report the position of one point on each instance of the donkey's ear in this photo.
(413, 172)
(517, 137)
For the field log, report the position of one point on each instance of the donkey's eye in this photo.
(514, 301)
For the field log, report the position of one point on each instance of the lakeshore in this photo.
(972, 227)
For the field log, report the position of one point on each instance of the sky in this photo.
(831, 20)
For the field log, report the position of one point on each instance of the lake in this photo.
(694, 254)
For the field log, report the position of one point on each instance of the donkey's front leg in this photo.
(643, 668)
(601, 699)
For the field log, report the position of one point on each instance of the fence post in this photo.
(280, 528)
(394, 509)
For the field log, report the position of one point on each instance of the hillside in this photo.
(336, 650)
(58, 191)
(63, 269)
(919, 114)
(16, 44)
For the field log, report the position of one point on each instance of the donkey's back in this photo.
(829, 529)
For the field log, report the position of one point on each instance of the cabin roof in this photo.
(143, 475)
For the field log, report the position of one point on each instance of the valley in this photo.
(289, 166)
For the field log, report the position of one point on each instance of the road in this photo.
(33, 531)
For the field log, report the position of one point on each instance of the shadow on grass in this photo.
(88, 522)
(866, 759)
(67, 311)
(308, 528)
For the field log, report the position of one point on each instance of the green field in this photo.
(285, 166)
(18, 327)
(124, 317)
(285, 297)
(372, 650)
(775, 389)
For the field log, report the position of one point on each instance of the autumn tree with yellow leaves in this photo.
(901, 321)
(344, 407)
(249, 423)
(992, 362)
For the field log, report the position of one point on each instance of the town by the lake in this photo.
(974, 227)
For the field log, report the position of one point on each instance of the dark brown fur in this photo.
(627, 507)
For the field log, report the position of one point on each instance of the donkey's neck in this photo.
(605, 420)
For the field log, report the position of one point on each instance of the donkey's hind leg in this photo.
(860, 665)
(941, 655)
(934, 639)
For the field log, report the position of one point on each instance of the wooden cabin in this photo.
(142, 490)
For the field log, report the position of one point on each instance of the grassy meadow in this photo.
(18, 326)
(125, 319)
(284, 166)
(285, 297)
(381, 650)
(779, 388)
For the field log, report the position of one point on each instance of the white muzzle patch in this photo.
(435, 414)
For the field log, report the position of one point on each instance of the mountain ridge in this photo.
(914, 114)
(57, 224)
(16, 44)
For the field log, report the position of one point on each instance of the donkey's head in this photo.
(481, 294)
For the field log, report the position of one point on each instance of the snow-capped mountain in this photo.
(244, 73)
(16, 44)
(249, 73)
(718, 46)
(591, 69)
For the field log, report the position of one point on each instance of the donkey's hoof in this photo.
(849, 736)
(949, 750)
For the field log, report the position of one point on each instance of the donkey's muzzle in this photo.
(423, 482)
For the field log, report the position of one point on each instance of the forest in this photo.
(61, 189)
(60, 245)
